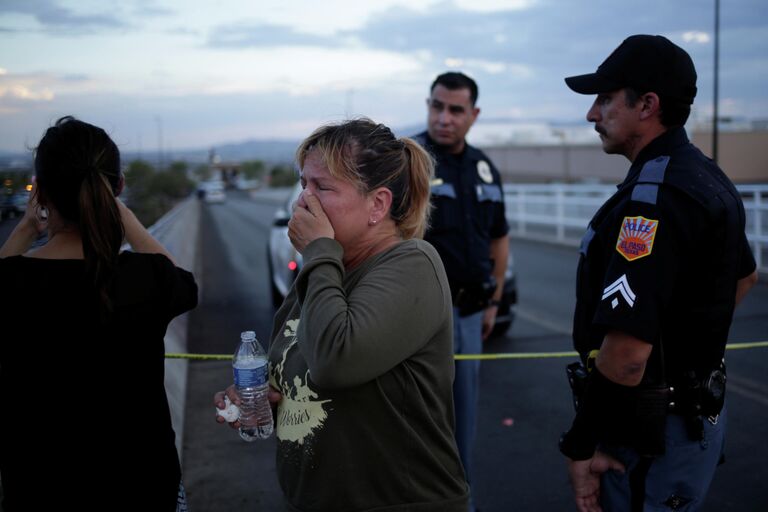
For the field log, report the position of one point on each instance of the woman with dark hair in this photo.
(361, 354)
(82, 353)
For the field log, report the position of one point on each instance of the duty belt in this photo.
(471, 298)
(695, 396)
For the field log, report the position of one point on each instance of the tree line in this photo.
(151, 193)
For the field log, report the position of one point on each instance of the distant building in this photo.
(574, 153)
(225, 171)
(743, 155)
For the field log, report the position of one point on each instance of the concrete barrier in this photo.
(178, 231)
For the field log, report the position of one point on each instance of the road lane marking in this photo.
(547, 323)
(759, 397)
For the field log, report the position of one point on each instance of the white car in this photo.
(212, 191)
(283, 260)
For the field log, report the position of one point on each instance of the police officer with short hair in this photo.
(663, 264)
(468, 227)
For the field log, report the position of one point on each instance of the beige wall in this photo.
(743, 156)
(556, 163)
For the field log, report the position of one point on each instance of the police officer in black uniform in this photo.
(468, 228)
(663, 264)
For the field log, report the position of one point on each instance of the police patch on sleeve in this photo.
(636, 237)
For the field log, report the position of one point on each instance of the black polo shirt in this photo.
(662, 257)
(468, 212)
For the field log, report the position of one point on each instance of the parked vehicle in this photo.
(284, 263)
(506, 314)
(13, 205)
(283, 260)
(212, 191)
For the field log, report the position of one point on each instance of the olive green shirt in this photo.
(364, 360)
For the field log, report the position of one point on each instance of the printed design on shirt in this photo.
(636, 237)
(300, 414)
(291, 327)
(484, 171)
(621, 287)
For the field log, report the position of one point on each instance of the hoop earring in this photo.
(41, 214)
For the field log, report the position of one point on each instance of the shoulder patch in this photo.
(636, 237)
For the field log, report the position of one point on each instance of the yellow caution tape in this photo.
(754, 344)
(200, 357)
(465, 357)
(514, 355)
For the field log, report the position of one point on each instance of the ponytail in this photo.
(101, 230)
(419, 170)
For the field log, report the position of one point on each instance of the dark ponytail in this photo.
(102, 233)
(78, 170)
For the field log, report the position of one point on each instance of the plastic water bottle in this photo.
(252, 383)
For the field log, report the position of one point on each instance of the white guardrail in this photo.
(561, 212)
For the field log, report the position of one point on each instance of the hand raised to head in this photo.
(35, 215)
(308, 222)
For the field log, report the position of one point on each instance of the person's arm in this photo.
(138, 236)
(585, 479)
(499, 255)
(21, 239)
(620, 366)
(744, 285)
(349, 338)
(622, 358)
(26, 231)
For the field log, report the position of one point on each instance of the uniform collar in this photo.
(468, 152)
(663, 145)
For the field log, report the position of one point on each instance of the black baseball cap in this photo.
(645, 63)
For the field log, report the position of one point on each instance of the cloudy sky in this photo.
(205, 72)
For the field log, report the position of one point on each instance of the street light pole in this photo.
(717, 81)
(160, 162)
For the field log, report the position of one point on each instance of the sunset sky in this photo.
(209, 72)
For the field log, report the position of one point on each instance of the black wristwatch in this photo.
(493, 302)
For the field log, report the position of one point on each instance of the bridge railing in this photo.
(560, 212)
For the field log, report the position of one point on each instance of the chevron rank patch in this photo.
(620, 288)
(636, 237)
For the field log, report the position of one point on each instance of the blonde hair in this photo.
(369, 156)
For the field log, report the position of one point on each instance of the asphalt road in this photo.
(524, 404)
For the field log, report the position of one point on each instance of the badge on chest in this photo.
(484, 171)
